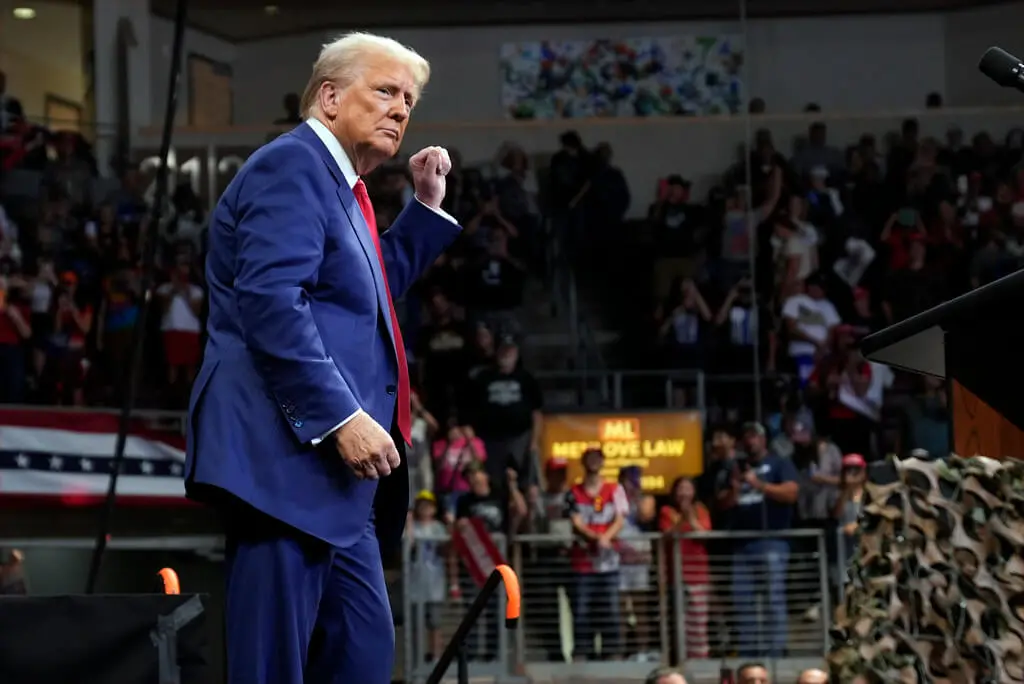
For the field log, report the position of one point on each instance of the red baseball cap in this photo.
(556, 463)
(854, 461)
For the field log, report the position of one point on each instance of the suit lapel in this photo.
(355, 219)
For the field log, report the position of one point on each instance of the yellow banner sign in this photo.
(664, 445)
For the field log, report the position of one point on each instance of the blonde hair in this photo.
(341, 60)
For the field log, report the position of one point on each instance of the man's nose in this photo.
(399, 112)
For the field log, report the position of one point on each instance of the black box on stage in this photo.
(118, 639)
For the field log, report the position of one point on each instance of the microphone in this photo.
(1003, 68)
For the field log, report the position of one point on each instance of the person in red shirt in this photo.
(685, 514)
(596, 522)
(844, 368)
(14, 330)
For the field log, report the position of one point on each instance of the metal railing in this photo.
(660, 602)
(663, 388)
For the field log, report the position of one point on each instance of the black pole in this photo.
(463, 665)
(150, 242)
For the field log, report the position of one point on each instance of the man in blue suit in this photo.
(300, 413)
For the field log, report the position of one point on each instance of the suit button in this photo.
(390, 389)
(298, 423)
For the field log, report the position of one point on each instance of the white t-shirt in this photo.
(742, 326)
(796, 246)
(814, 318)
(179, 316)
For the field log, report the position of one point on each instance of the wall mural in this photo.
(670, 76)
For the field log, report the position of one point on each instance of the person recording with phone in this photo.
(765, 488)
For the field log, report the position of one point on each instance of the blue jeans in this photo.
(759, 566)
(595, 610)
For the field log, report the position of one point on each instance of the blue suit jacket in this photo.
(299, 338)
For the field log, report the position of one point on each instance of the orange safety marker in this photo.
(170, 581)
(511, 581)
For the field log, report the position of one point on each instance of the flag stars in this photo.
(177, 470)
(86, 465)
(23, 461)
(146, 467)
(56, 463)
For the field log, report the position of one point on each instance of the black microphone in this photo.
(1003, 68)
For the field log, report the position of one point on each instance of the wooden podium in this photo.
(975, 342)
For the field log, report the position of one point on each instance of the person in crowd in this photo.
(685, 514)
(15, 332)
(765, 490)
(41, 290)
(809, 319)
(848, 505)
(607, 203)
(813, 676)
(516, 190)
(420, 457)
(116, 320)
(638, 512)
(665, 675)
(842, 383)
(926, 418)
(12, 573)
(292, 111)
(818, 464)
(753, 673)
(681, 231)
(570, 174)
(682, 321)
(596, 523)
(816, 152)
(739, 223)
(442, 355)
(504, 406)
(495, 280)
(68, 358)
(453, 455)
(481, 351)
(181, 301)
(427, 537)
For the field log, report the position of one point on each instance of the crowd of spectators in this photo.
(785, 273)
(844, 239)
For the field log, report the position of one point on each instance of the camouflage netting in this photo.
(935, 593)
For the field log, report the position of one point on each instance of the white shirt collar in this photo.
(334, 147)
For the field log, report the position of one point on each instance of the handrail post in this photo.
(463, 665)
(617, 390)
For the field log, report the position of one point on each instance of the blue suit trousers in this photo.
(302, 612)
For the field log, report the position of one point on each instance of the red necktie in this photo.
(404, 393)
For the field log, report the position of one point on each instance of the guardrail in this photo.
(591, 388)
(663, 388)
(749, 597)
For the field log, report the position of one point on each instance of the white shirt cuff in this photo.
(316, 441)
(439, 211)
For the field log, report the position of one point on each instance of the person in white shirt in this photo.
(182, 303)
(809, 318)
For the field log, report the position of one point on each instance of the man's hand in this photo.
(750, 477)
(429, 166)
(366, 447)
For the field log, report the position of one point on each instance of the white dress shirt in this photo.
(349, 171)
